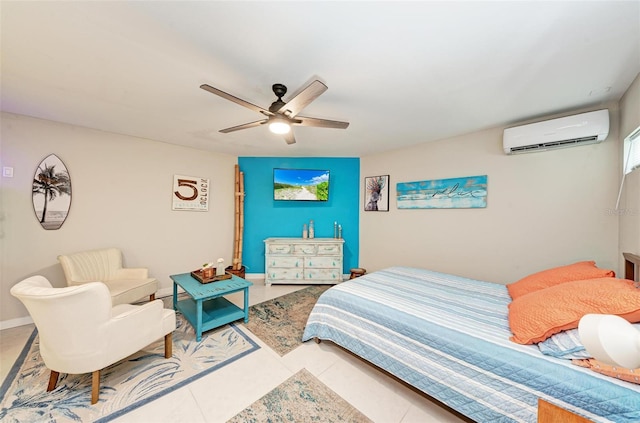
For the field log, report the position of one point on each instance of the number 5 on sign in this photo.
(190, 193)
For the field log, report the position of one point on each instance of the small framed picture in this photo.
(190, 193)
(376, 193)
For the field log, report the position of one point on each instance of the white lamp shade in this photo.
(610, 339)
(279, 126)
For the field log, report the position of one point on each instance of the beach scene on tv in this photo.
(301, 184)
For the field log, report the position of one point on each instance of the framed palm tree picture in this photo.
(51, 192)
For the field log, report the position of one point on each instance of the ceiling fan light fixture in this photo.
(279, 126)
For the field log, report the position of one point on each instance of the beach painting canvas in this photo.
(468, 192)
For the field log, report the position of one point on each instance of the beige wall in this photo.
(121, 197)
(544, 209)
(629, 208)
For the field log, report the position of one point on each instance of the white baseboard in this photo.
(20, 321)
(254, 276)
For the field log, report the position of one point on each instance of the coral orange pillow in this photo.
(550, 277)
(536, 316)
(622, 373)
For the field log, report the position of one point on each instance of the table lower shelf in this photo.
(215, 313)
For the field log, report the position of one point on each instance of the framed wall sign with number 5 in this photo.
(190, 193)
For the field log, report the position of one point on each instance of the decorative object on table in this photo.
(312, 231)
(51, 192)
(220, 267)
(190, 193)
(357, 272)
(304, 397)
(280, 322)
(339, 231)
(202, 278)
(305, 232)
(127, 385)
(376, 193)
(454, 193)
(207, 271)
(335, 229)
(236, 264)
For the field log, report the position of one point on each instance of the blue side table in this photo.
(207, 308)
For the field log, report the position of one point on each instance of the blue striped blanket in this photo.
(449, 337)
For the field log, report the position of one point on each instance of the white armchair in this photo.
(126, 285)
(81, 332)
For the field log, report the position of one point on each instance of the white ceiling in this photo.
(400, 73)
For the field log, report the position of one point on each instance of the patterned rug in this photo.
(124, 386)
(301, 398)
(280, 322)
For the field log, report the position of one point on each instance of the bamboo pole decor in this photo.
(236, 217)
(241, 223)
(238, 221)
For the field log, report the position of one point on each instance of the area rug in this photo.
(280, 322)
(124, 386)
(301, 398)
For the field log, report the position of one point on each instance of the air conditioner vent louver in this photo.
(569, 131)
(556, 144)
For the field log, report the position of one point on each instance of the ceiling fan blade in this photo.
(289, 138)
(244, 126)
(321, 123)
(235, 99)
(302, 99)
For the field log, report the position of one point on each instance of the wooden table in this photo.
(206, 308)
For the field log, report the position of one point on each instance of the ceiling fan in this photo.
(282, 115)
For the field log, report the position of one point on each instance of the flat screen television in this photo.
(300, 185)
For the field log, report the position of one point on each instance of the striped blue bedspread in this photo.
(449, 337)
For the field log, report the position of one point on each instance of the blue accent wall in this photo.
(266, 218)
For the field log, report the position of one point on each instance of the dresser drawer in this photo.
(284, 261)
(323, 275)
(322, 262)
(276, 274)
(279, 249)
(327, 249)
(304, 249)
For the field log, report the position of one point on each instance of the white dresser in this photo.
(303, 260)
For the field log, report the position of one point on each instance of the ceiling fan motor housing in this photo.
(279, 90)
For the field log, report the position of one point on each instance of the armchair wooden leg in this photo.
(152, 297)
(53, 380)
(168, 345)
(95, 386)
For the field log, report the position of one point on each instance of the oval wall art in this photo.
(51, 192)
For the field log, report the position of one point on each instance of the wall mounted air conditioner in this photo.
(568, 131)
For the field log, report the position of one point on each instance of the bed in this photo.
(448, 337)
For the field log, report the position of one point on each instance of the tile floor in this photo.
(227, 391)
